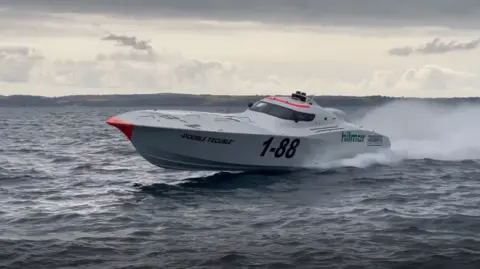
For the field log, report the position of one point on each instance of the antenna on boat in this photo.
(312, 100)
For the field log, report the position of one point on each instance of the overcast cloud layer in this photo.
(48, 53)
(465, 13)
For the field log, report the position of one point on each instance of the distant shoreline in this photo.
(173, 99)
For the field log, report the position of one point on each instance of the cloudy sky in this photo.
(332, 47)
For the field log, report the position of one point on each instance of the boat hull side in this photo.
(181, 162)
(201, 150)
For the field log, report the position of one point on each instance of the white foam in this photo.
(420, 130)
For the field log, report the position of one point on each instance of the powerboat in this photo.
(275, 133)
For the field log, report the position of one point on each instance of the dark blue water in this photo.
(74, 194)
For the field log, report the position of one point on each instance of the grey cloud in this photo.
(193, 69)
(132, 56)
(346, 12)
(143, 51)
(129, 41)
(27, 52)
(21, 64)
(436, 46)
(16, 63)
(403, 51)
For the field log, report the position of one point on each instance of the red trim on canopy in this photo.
(285, 102)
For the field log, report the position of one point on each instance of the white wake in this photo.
(421, 130)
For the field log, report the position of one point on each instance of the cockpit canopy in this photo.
(281, 112)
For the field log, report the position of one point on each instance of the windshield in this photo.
(281, 112)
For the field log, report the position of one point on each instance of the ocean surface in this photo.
(74, 194)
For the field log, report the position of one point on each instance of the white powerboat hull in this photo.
(190, 142)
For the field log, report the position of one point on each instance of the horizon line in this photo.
(231, 95)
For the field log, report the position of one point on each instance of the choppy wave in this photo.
(75, 194)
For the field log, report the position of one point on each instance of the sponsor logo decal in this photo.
(350, 137)
(207, 139)
(375, 140)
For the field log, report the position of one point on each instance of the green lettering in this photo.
(349, 137)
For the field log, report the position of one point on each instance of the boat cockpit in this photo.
(287, 108)
(281, 112)
(298, 108)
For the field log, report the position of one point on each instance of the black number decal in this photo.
(293, 148)
(266, 145)
(283, 148)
